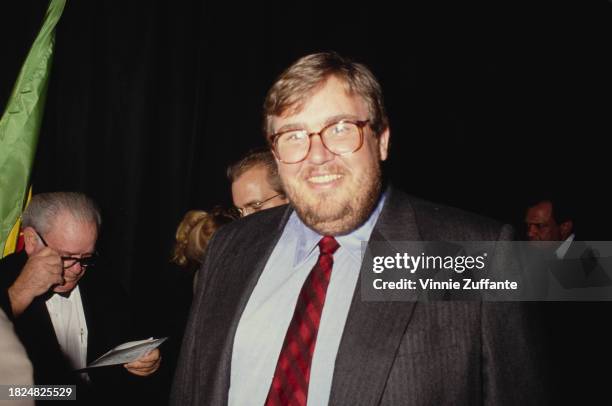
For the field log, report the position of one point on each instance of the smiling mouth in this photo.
(323, 178)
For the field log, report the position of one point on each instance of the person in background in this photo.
(578, 342)
(193, 234)
(545, 221)
(255, 183)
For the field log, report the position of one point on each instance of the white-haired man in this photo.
(65, 319)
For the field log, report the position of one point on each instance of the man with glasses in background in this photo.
(278, 316)
(255, 183)
(65, 324)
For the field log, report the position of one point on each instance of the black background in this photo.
(490, 104)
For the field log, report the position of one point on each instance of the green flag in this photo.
(20, 124)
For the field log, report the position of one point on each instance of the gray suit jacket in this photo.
(440, 353)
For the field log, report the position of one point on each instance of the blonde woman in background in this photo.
(193, 234)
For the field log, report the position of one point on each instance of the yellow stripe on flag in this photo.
(13, 237)
(11, 241)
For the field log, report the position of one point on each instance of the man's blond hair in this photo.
(293, 87)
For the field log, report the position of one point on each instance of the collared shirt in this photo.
(68, 320)
(264, 322)
(564, 247)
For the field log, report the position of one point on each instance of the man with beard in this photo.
(284, 321)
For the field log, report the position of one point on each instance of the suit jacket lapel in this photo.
(41, 320)
(36, 331)
(374, 330)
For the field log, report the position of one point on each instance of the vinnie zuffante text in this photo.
(456, 264)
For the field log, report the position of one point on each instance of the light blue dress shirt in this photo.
(264, 322)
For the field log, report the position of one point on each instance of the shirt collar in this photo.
(307, 239)
(562, 250)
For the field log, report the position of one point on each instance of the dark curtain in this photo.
(490, 103)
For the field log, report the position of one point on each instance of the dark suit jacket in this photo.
(441, 353)
(108, 324)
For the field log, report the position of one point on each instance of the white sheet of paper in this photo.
(127, 352)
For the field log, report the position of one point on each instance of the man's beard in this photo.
(337, 211)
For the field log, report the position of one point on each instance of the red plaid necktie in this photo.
(290, 382)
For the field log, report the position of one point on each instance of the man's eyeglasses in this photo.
(67, 262)
(254, 206)
(340, 138)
